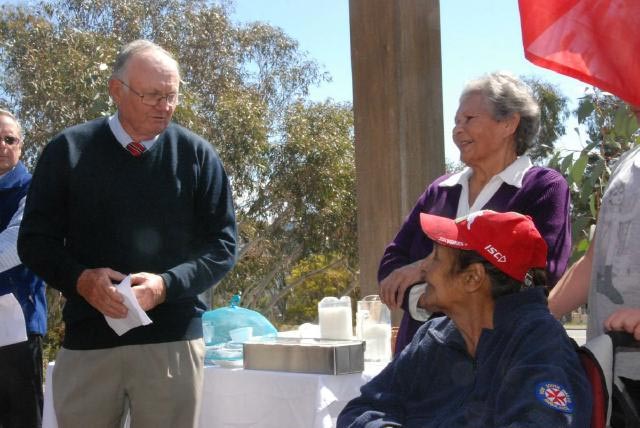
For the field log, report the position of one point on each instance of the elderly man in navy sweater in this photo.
(131, 194)
(498, 359)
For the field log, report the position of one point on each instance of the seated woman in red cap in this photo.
(499, 358)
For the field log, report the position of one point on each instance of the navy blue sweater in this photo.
(526, 373)
(170, 211)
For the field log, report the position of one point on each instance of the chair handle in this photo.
(624, 339)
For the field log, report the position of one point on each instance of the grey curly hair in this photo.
(508, 95)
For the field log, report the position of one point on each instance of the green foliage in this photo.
(553, 114)
(244, 87)
(55, 327)
(307, 207)
(319, 276)
(452, 167)
(611, 129)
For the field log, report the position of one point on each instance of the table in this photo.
(238, 398)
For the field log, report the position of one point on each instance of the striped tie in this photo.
(135, 148)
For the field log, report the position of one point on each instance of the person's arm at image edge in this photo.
(572, 289)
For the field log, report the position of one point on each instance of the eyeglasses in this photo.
(154, 99)
(10, 140)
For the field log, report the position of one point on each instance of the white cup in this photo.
(241, 334)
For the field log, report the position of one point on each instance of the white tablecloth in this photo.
(237, 398)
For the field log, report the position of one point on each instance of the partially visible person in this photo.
(608, 275)
(498, 358)
(496, 123)
(21, 395)
(131, 194)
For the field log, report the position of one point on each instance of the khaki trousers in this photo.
(160, 384)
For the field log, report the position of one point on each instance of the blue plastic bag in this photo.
(225, 329)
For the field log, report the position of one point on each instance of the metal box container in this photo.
(320, 356)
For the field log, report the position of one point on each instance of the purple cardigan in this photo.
(544, 196)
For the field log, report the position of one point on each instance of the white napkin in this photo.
(12, 326)
(135, 316)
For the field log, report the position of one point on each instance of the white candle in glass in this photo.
(378, 341)
(335, 322)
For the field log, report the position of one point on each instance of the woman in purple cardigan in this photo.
(496, 122)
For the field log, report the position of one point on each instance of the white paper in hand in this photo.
(12, 326)
(135, 316)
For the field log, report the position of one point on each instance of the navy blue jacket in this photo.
(526, 373)
(26, 287)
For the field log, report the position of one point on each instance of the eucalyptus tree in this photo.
(611, 130)
(244, 88)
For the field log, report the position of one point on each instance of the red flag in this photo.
(596, 41)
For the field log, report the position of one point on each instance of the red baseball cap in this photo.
(509, 241)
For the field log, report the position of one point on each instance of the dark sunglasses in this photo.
(9, 140)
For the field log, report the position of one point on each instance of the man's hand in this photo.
(393, 287)
(625, 319)
(149, 289)
(96, 287)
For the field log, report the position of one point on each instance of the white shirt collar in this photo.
(122, 136)
(512, 175)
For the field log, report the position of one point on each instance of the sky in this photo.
(477, 37)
